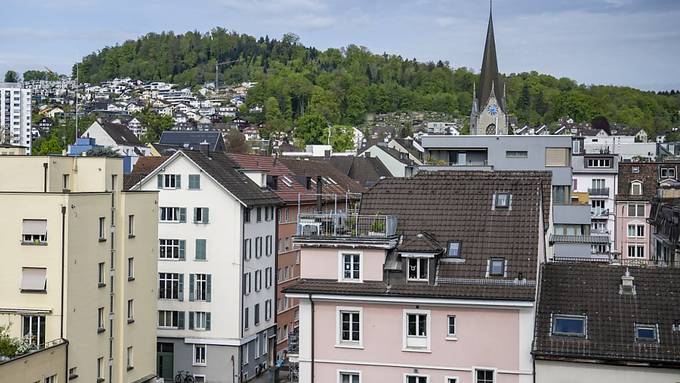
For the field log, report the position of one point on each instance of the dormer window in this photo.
(635, 169)
(496, 267)
(418, 269)
(454, 249)
(570, 325)
(502, 200)
(636, 188)
(646, 333)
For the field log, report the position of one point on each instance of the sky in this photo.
(621, 42)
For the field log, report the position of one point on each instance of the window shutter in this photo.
(200, 249)
(180, 320)
(178, 181)
(160, 181)
(208, 288)
(192, 278)
(196, 214)
(182, 214)
(180, 292)
(206, 215)
(191, 320)
(182, 249)
(207, 321)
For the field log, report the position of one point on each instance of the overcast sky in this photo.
(622, 42)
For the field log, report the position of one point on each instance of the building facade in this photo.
(15, 114)
(216, 268)
(79, 264)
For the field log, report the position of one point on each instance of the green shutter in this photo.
(192, 279)
(191, 320)
(206, 215)
(180, 320)
(182, 214)
(200, 249)
(178, 181)
(182, 249)
(207, 321)
(196, 214)
(160, 181)
(209, 288)
(181, 288)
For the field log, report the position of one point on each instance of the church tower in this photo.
(489, 113)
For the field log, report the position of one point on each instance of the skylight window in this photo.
(497, 267)
(569, 325)
(645, 333)
(454, 249)
(502, 200)
(287, 181)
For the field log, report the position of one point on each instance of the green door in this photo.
(164, 363)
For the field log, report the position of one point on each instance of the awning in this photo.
(35, 227)
(34, 279)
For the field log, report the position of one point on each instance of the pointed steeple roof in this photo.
(489, 78)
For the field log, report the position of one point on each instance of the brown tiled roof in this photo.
(313, 168)
(421, 243)
(379, 288)
(366, 171)
(647, 176)
(592, 290)
(143, 167)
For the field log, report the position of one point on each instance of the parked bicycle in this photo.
(184, 377)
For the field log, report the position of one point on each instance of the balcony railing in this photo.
(346, 225)
(599, 213)
(599, 191)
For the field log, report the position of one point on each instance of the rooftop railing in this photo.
(599, 191)
(346, 225)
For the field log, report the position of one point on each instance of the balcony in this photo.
(599, 213)
(342, 227)
(598, 192)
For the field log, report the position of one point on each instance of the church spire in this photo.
(489, 78)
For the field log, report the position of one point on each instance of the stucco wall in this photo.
(37, 366)
(622, 221)
(316, 263)
(563, 372)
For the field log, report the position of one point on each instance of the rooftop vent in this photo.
(627, 286)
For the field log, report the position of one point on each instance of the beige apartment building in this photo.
(78, 259)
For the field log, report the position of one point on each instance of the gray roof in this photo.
(120, 133)
(192, 140)
(592, 239)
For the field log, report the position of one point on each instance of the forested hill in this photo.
(342, 85)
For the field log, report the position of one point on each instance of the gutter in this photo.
(240, 297)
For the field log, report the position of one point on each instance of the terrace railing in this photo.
(332, 225)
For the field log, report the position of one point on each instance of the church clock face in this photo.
(492, 109)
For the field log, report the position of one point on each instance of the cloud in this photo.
(313, 21)
(445, 21)
(275, 5)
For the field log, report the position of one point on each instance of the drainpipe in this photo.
(242, 260)
(63, 262)
(311, 301)
(276, 290)
(45, 177)
(319, 196)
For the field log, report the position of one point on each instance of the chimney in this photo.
(627, 286)
(205, 148)
(319, 192)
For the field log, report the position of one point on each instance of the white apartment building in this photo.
(216, 262)
(15, 114)
(78, 263)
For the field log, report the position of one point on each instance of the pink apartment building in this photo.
(434, 281)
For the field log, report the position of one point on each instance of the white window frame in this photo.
(170, 181)
(201, 286)
(200, 325)
(205, 355)
(636, 230)
(130, 310)
(410, 374)
(338, 327)
(419, 265)
(428, 331)
(637, 205)
(170, 246)
(130, 357)
(176, 213)
(633, 185)
(341, 266)
(352, 372)
(637, 251)
(451, 379)
(449, 334)
(168, 314)
(477, 368)
(102, 228)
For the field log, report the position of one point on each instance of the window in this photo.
(72, 373)
(245, 318)
(267, 310)
(636, 188)
(246, 284)
(170, 319)
(199, 355)
(451, 326)
(256, 314)
(34, 231)
(200, 250)
(34, 329)
(258, 280)
(51, 379)
(349, 330)
(645, 332)
(597, 206)
(258, 247)
(171, 249)
(416, 323)
(258, 214)
(635, 169)
(169, 285)
(102, 228)
(130, 358)
(100, 319)
(636, 230)
(199, 320)
(636, 210)
(201, 287)
(454, 249)
(636, 251)
(569, 325)
(131, 225)
(502, 200)
(65, 182)
(416, 378)
(351, 267)
(349, 377)
(598, 183)
(169, 181)
(201, 215)
(266, 213)
(246, 215)
(33, 279)
(516, 153)
(100, 368)
(131, 269)
(247, 248)
(451, 380)
(418, 269)
(667, 172)
(101, 278)
(599, 163)
(268, 277)
(496, 267)
(557, 157)
(130, 310)
(173, 214)
(484, 376)
(194, 181)
(268, 244)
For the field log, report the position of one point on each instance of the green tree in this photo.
(236, 142)
(155, 124)
(342, 137)
(311, 129)
(9, 346)
(11, 76)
